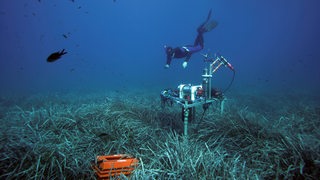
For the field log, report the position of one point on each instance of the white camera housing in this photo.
(188, 92)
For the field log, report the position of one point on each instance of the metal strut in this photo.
(186, 118)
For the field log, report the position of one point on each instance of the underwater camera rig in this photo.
(190, 96)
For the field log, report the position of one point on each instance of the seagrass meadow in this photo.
(83, 80)
(56, 136)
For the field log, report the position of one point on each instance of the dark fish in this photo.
(65, 36)
(56, 55)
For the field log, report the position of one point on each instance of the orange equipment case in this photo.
(114, 165)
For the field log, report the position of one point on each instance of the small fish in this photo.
(65, 36)
(56, 55)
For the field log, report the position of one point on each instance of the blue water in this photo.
(273, 45)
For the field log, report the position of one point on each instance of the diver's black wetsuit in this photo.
(188, 50)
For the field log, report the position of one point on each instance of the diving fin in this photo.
(209, 15)
(210, 25)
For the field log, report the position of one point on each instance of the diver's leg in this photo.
(199, 40)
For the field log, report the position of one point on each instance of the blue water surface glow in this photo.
(273, 45)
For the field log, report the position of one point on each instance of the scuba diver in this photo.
(188, 50)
